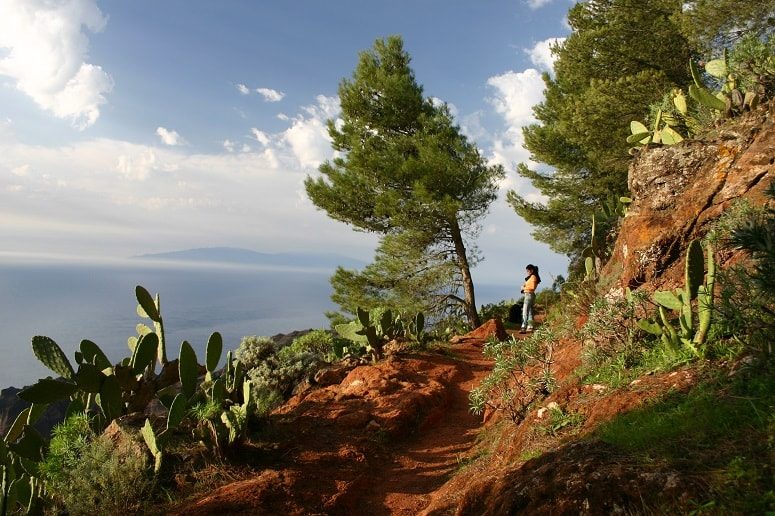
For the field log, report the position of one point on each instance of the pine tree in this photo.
(622, 56)
(404, 167)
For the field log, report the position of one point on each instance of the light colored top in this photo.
(531, 284)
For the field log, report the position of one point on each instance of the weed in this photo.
(530, 454)
(560, 420)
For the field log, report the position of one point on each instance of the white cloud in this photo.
(229, 145)
(92, 195)
(243, 89)
(45, 49)
(169, 137)
(21, 170)
(308, 136)
(137, 167)
(270, 95)
(260, 136)
(283, 117)
(537, 4)
(515, 95)
(541, 54)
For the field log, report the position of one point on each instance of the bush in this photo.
(89, 474)
(320, 342)
(520, 376)
(498, 310)
(254, 350)
(275, 373)
(611, 329)
(746, 307)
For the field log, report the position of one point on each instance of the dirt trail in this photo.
(403, 485)
(381, 441)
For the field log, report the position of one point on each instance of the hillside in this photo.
(398, 438)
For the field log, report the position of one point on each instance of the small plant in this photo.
(747, 304)
(320, 342)
(612, 331)
(693, 325)
(254, 350)
(20, 450)
(659, 133)
(372, 330)
(521, 375)
(559, 420)
(90, 474)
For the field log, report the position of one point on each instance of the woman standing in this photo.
(529, 289)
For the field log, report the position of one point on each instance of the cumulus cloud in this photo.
(229, 145)
(169, 137)
(243, 89)
(137, 167)
(541, 54)
(44, 54)
(515, 95)
(308, 136)
(270, 95)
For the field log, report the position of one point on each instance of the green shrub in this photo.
(611, 328)
(498, 310)
(319, 341)
(254, 350)
(520, 376)
(746, 307)
(282, 372)
(559, 421)
(90, 474)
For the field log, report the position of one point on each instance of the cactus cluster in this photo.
(693, 324)
(107, 391)
(229, 393)
(729, 99)
(372, 330)
(662, 132)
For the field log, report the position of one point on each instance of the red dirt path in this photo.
(380, 442)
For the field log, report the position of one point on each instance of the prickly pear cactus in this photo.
(52, 356)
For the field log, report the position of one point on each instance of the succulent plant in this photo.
(698, 285)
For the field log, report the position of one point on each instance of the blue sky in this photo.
(150, 126)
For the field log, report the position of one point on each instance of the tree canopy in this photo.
(404, 170)
(621, 57)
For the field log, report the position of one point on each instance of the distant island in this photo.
(234, 255)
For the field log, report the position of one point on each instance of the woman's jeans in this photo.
(527, 310)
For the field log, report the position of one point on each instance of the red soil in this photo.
(380, 442)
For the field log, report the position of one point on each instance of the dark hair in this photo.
(533, 270)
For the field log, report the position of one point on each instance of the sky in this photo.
(141, 127)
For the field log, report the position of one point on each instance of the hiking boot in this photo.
(522, 330)
(530, 330)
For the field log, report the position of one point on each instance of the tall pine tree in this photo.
(404, 168)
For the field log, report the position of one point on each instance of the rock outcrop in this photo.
(679, 190)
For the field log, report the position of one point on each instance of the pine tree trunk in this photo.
(465, 271)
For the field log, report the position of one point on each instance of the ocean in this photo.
(97, 302)
(71, 302)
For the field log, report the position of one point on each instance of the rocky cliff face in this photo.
(679, 190)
